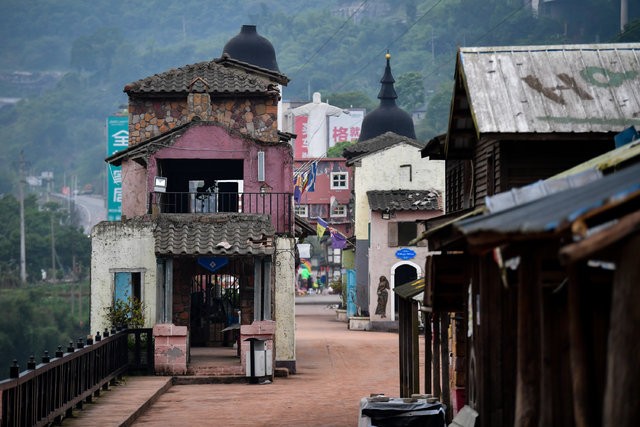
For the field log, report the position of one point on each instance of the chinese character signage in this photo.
(302, 143)
(345, 127)
(117, 140)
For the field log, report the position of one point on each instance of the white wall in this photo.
(285, 302)
(121, 246)
(382, 171)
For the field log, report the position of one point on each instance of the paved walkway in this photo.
(121, 404)
(336, 367)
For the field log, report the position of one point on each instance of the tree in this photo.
(410, 90)
(354, 99)
(336, 150)
(42, 223)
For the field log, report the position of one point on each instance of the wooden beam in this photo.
(599, 241)
(583, 413)
(437, 389)
(446, 391)
(428, 358)
(623, 370)
(528, 342)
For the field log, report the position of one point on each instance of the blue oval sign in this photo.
(405, 253)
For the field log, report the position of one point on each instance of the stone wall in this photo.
(255, 117)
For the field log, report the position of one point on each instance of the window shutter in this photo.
(393, 234)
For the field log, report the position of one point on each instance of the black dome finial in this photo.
(387, 91)
(388, 117)
(250, 47)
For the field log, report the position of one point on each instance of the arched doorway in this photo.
(402, 273)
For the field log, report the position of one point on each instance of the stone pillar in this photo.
(285, 303)
(171, 348)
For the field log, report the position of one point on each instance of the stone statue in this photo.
(383, 296)
(317, 112)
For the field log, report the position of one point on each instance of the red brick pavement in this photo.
(336, 367)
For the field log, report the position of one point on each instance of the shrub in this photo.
(128, 313)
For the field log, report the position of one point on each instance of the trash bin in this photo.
(400, 412)
(259, 361)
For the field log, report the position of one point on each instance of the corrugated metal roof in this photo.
(410, 290)
(531, 192)
(404, 200)
(220, 234)
(565, 88)
(552, 213)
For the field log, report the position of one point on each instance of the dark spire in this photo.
(388, 117)
(250, 47)
(387, 90)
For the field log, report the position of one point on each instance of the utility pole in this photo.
(53, 251)
(624, 14)
(23, 250)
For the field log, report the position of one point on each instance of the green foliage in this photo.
(98, 47)
(40, 318)
(129, 313)
(437, 115)
(354, 99)
(336, 150)
(410, 90)
(72, 246)
(337, 288)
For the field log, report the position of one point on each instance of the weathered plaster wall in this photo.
(208, 141)
(285, 302)
(383, 260)
(382, 171)
(125, 246)
(256, 117)
(134, 189)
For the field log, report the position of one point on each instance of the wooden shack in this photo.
(518, 115)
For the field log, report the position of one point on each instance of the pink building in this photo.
(207, 227)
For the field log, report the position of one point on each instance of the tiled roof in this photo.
(219, 234)
(223, 76)
(378, 143)
(404, 200)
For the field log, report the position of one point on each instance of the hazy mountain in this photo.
(67, 61)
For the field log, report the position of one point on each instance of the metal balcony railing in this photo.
(278, 206)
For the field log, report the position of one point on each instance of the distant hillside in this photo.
(70, 59)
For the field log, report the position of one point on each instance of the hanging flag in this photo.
(338, 240)
(297, 188)
(311, 178)
(321, 225)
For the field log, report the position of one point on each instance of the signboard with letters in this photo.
(117, 140)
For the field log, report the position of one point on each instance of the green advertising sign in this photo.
(117, 140)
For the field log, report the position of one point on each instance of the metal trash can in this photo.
(259, 361)
(381, 411)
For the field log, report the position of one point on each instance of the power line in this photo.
(330, 38)
(386, 49)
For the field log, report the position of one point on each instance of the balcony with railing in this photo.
(278, 206)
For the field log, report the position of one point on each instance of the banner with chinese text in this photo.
(117, 140)
(345, 127)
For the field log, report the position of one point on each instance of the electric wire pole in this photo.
(23, 251)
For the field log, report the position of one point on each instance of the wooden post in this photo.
(437, 390)
(446, 394)
(623, 370)
(528, 342)
(583, 413)
(428, 358)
